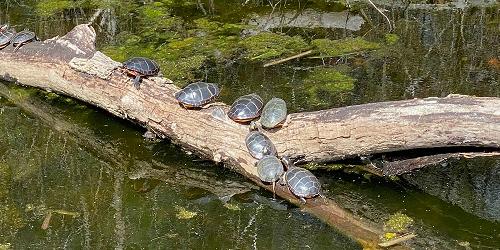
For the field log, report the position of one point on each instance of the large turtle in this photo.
(301, 182)
(5, 37)
(270, 169)
(274, 113)
(246, 108)
(258, 144)
(140, 67)
(197, 94)
(23, 38)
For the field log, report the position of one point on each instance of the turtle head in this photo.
(253, 126)
(287, 162)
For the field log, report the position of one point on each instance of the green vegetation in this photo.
(334, 48)
(325, 84)
(398, 223)
(269, 45)
(391, 39)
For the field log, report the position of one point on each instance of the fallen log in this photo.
(313, 136)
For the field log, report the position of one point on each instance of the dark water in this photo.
(116, 189)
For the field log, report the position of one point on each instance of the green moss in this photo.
(398, 223)
(334, 48)
(268, 45)
(49, 7)
(5, 180)
(182, 70)
(391, 39)
(10, 218)
(331, 166)
(329, 79)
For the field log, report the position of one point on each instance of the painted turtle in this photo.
(301, 182)
(258, 144)
(246, 108)
(270, 169)
(23, 38)
(5, 37)
(140, 67)
(274, 113)
(197, 94)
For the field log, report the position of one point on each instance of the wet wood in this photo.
(321, 136)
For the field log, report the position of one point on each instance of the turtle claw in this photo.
(302, 200)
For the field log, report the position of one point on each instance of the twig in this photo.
(397, 240)
(382, 13)
(288, 58)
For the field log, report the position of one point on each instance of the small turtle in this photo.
(274, 113)
(246, 108)
(300, 181)
(140, 67)
(258, 144)
(197, 94)
(270, 169)
(5, 37)
(23, 38)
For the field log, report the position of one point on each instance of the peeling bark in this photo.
(326, 135)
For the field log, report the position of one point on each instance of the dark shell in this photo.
(302, 183)
(246, 108)
(143, 66)
(6, 36)
(259, 145)
(197, 94)
(23, 37)
(273, 113)
(269, 168)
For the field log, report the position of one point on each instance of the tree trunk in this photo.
(454, 121)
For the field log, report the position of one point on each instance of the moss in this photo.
(5, 180)
(182, 70)
(331, 166)
(5, 246)
(398, 223)
(11, 219)
(334, 48)
(231, 206)
(268, 45)
(185, 214)
(49, 7)
(391, 39)
(329, 79)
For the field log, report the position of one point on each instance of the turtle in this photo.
(301, 182)
(140, 67)
(258, 144)
(197, 94)
(5, 37)
(274, 113)
(270, 169)
(23, 38)
(246, 108)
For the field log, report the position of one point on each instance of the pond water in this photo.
(72, 176)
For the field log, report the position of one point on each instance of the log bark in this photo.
(313, 136)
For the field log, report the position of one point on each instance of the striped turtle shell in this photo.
(197, 94)
(274, 113)
(259, 145)
(246, 108)
(302, 182)
(270, 169)
(141, 67)
(5, 37)
(22, 38)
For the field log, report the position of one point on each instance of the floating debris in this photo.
(184, 214)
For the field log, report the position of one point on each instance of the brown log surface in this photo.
(313, 136)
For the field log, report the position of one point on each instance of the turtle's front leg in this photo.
(137, 81)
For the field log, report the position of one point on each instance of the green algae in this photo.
(323, 85)
(398, 223)
(346, 46)
(267, 45)
(391, 39)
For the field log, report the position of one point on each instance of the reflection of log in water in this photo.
(114, 158)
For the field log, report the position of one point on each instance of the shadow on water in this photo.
(94, 181)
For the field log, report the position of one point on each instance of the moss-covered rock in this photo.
(334, 48)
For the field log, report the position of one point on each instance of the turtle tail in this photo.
(137, 81)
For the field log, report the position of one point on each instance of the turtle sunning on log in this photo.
(246, 108)
(6, 36)
(270, 170)
(23, 38)
(140, 67)
(197, 94)
(273, 114)
(301, 182)
(258, 144)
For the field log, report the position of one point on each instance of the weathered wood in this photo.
(313, 136)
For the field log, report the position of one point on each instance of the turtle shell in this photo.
(246, 108)
(5, 37)
(269, 168)
(143, 66)
(259, 145)
(302, 183)
(274, 113)
(197, 94)
(23, 37)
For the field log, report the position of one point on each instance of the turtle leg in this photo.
(137, 81)
(17, 47)
(274, 190)
(302, 200)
